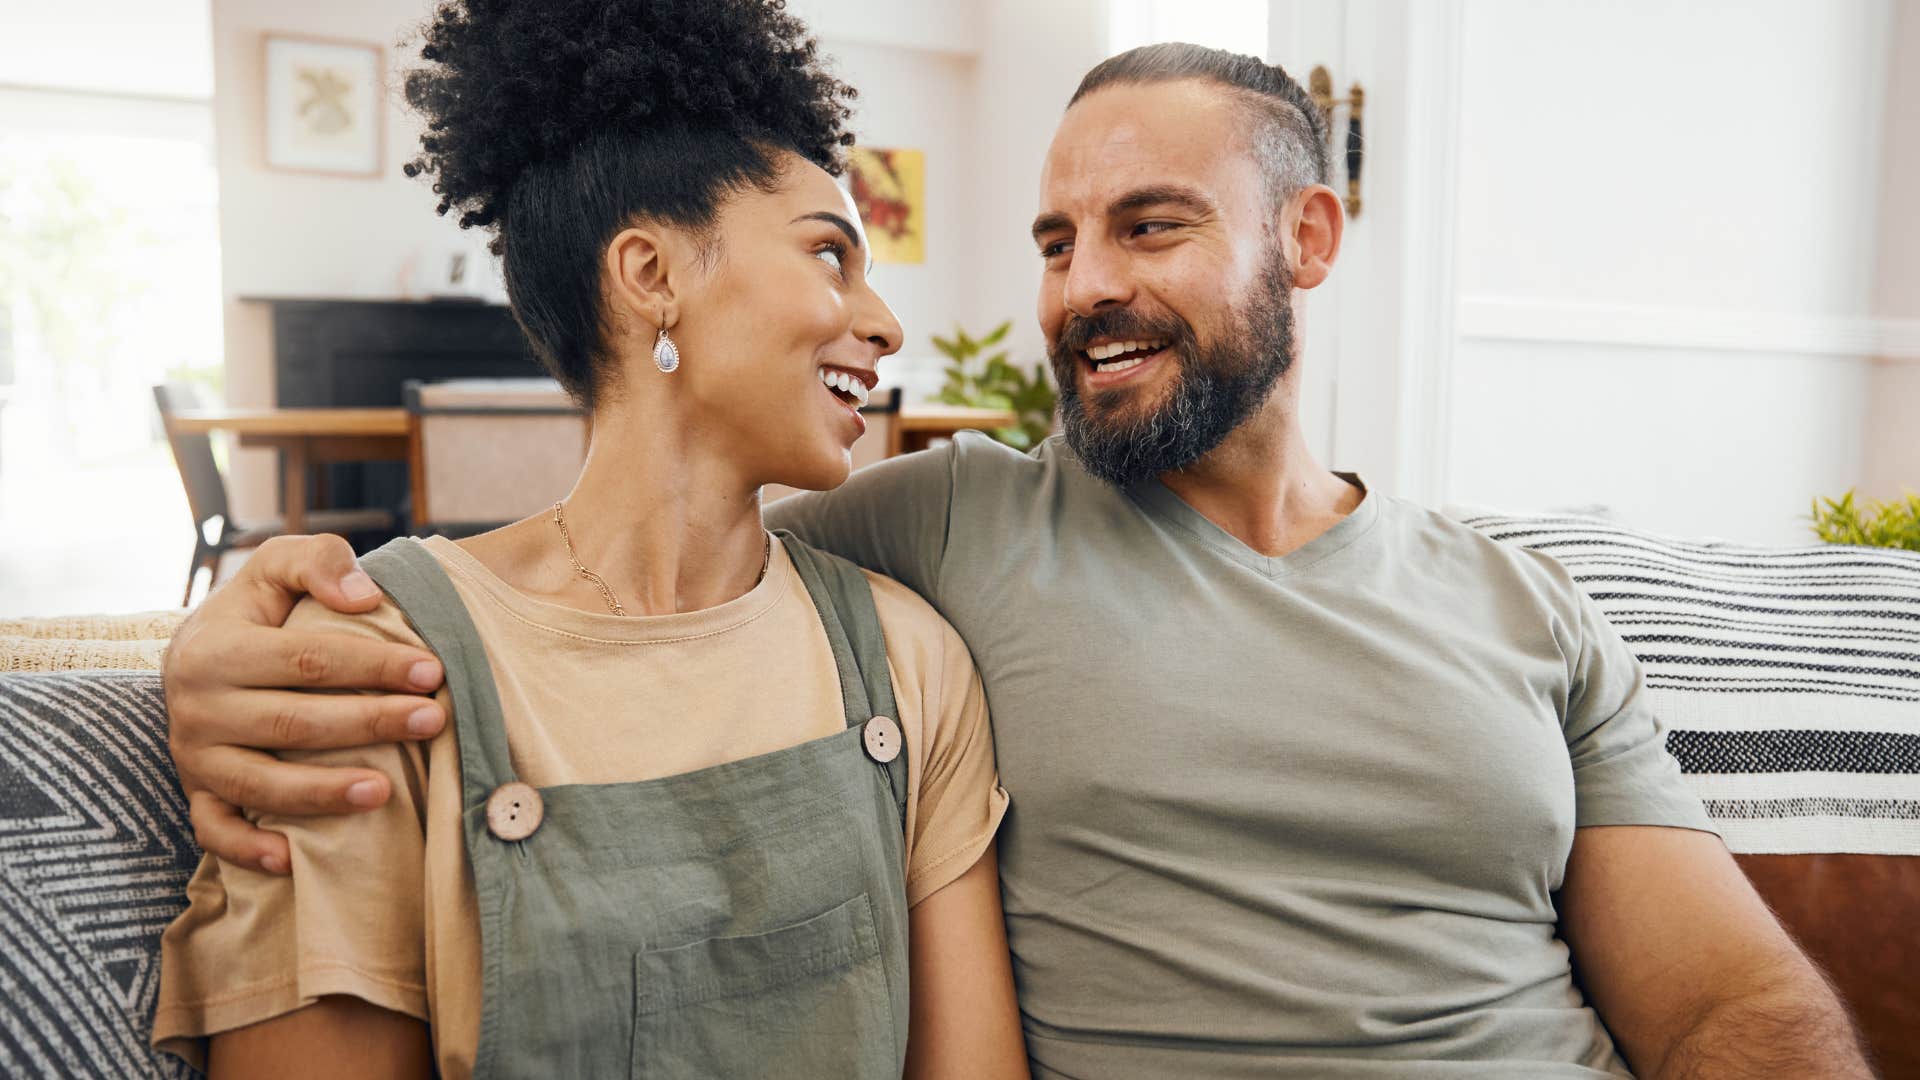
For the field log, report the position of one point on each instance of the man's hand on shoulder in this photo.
(234, 676)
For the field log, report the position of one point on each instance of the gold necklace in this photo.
(560, 519)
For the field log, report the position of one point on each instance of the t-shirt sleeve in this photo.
(958, 802)
(890, 517)
(1622, 772)
(349, 920)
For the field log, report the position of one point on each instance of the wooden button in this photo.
(514, 811)
(882, 738)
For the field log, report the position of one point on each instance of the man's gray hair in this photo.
(1289, 135)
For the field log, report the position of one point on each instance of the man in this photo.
(1306, 781)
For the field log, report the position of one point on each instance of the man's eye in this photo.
(1149, 227)
(1058, 247)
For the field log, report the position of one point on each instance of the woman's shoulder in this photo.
(383, 623)
(905, 615)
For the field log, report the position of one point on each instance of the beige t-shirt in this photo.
(380, 905)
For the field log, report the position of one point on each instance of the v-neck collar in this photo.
(1159, 500)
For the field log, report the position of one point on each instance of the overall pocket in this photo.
(804, 1001)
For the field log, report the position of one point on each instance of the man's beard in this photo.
(1215, 390)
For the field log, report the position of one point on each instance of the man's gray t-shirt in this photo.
(1296, 816)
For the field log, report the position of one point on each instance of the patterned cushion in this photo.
(1790, 676)
(95, 852)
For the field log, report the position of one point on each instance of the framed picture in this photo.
(325, 106)
(890, 190)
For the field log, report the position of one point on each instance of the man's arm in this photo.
(890, 517)
(232, 676)
(1692, 974)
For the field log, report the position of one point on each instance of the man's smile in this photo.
(1111, 362)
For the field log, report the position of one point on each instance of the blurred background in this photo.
(1650, 261)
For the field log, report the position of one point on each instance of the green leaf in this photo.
(999, 333)
(1891, 524)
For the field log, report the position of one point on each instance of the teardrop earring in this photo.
(666, 355)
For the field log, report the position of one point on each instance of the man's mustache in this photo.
(1078, 332)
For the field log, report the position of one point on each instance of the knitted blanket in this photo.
(1790, 676)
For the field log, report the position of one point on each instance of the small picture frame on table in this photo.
(325, 106)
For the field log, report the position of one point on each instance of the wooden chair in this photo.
(485, 452)
(214, 531)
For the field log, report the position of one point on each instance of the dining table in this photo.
(307, 437)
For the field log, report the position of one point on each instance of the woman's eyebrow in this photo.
(838, 222)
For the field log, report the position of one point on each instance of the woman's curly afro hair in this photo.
(557, 123)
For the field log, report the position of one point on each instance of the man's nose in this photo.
(1097, 278)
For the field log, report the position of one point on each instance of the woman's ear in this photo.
(644, 267)
(1314, 220)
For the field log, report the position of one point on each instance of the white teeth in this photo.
(846, 383)
(1104, 352)
(1134, 363)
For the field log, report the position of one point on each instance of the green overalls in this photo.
(744, 920)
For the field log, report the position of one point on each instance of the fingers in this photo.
(285, 567)
(293, 720)
(219, 829)
(266, 785)
(232, 656)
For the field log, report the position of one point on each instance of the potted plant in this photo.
(994, 383)
(1894, 524)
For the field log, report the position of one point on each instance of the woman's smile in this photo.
(849, 389)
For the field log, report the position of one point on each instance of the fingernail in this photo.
(424, 674)
(423, 721)
(358, 586)
(273, 864)
(364, 793)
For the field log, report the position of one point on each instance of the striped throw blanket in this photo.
(1790, 676)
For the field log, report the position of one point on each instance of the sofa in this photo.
(1790, 678)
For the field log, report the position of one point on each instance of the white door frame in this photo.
(1379, 347)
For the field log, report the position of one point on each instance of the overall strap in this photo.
(845, 602)
(414, 580)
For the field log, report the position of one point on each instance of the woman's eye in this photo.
(838, 255)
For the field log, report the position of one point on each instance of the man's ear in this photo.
(1314, 220)
(644, 267)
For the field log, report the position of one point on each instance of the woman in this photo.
(706, 791)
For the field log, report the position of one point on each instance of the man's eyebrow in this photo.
(1162, 195)
(1137, 199)
(1047, 223)
(838, 222)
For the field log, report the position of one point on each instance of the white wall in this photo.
(915, 25)
(1032, 56)
(154, 48)
(1665, 257)
(293, 235)
(1892, 427)
(935, 117)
